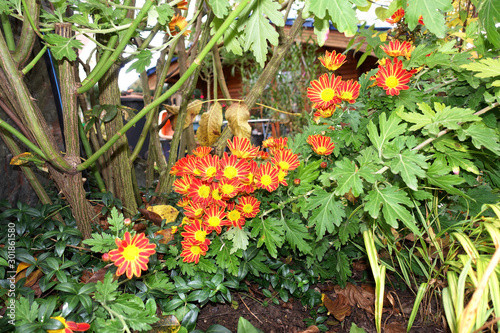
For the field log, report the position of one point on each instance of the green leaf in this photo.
(296, 235)
(458, 160)
(393, 202)
(239, 237)
(431, 13)
(389, 129)
(341, 12)
(106, 290)
(62, 47)
(326, 212)
(409, 165)
(143, 61)
(481, 136)
(219, 7)
(489, 16)
(224, 259)
(244, 326)
(101, 243)
(165, 13)
(348, 176)
(348, 230)
(321, 30)
(259, 30)
(270, 232)
(438, 174)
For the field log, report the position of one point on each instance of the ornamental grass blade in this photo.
(237, 116)
(416, 305)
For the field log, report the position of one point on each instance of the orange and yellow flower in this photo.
(229, 188)
(184, 201)
(395, 48)
(208, 166)
(267, 177)
(235, 217)
(202, 151)
(281, 177)
(322, 93)
(396, 17)
(326, 113)
(215, 219)
(192, 250)
(262, 155)
(248, 206)
(392, 77)
(285, 160)
(190, 166)
(196, 232)
(194, 210)
(230, 167)
(248, 185)
(200, 191)
(321, 144)
(242, 148)
(332, 61)
(177, 24)
(132, 255)
(275, 143)
(182, 5)
(69, 326)
(348, 90)
(183, 184)
(216, 195)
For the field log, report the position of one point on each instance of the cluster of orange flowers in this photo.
(217, 191)
(329, 91)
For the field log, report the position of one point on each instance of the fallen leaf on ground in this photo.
(311, 329)
(358, 296)
(166, 234)
(395, 327)
(340, 308)
(93, 277)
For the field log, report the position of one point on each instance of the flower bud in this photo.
(323, 165)
(105, 257)
(127, 222)
(296, 181)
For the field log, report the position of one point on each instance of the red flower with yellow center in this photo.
(69, 326)
(322, 93)
(182, 5)
(232, 168)
(229, 188)
(262, 155)
(321, 145)
(267, 177)
(242, 148)
(235, 218)
(332, 61)
(215, 219)
(177, 24)
(248, 185)
(196, 232)
(396, 17)
(132, 255)
(200, 191)
(192, 250)
(326, 113)
(285, 160)
(183, 184)
(392, 77)
(216, 195)
(281, 177)
(267, 143)
(202, 151)
(208, 166)
(248, 206)
(194, 210)
(348, 90)
(395, 48)
(183, 202)
(190, 167)
(178, 167)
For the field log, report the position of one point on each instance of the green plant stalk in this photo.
(28, 35)
(120, 317)
(7, 30)
(416, 305)
(30, 19)
(168, 93)
(106, 63)
(22, 138)
(88, 151)
(33, 62)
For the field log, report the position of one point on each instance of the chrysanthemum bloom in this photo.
(235, 217)
(348, 90)
(268, 142)
(184, 201)
(396, 17)
(182, 184)
(395, 48)
(242, 148)
(278, 144)
(230, 167)
(248, 206)
(192, 250)
(178, 167)
(189, 167)
(199, 191)
(195, 209)
(132, 255)
(182, 5)
(177, 24)
(285, 160)
(326, 113)
(332, 61)
(281, 177)
(248, 184)
(267, 177)
(392, 77)
(229, 188)
(321, 144)
(69, 326)
(208, 166)
(215, 219)
(202, 151)
(197, 232)
(322, 93)
(262, 155)
(216, 196)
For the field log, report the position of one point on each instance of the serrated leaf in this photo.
(165, 13)
(101, 243)
(486, 67)
(326, 212)
(489, 16)
(389, 129)
(219, 7)
(348, 177)
(481, 136)
(431, 13)
(296, 235)
(270, 232)
(237, 116)
(341, 12)
(62, 47)
(347, 230)
(409, 165)
(393, 202)
(438, 174)
(143, 60)
(458, 160)
(239, 237)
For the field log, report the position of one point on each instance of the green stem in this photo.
(34, 61)
(88, 151)
(7, 30)
(30, 19)
(196, 63)
(120, 317)
(90, 81)
(105, 31)
(22, 138)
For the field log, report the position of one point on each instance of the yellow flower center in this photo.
(230, 172)
(214, 221)
(248, 208)
(197, 172)
(234, 215)
(211, 171)
(195, 249)
(321, 150)
(392, 82)
(248, 180)
(131, 252)
(266, 180)
(327, 94)
(200, 235)
(227, 188)
(216, 194)
(284, 165)
(204, 191)
(198, 212)
(346, 95)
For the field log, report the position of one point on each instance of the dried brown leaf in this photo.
(166, 234)
(395, 327)
(237, 116)
(21, 159)
(193, 109)
(96, 276)
(201, 132)
(340, 308)
(311, 329)
(358, 296)
(151, 216)
(166, 212)
(214, 123)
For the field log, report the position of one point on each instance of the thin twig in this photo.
(490, 323)
(73, 246)
(245, 304)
